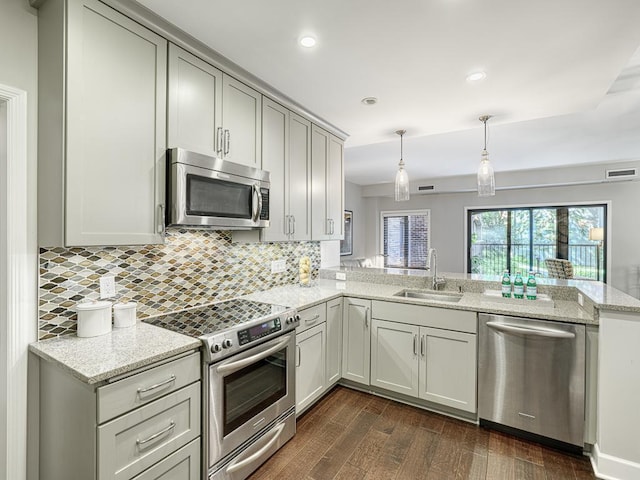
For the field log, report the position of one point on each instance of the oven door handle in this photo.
(232, 367)
(234, 467)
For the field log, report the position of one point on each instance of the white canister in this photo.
(124, 315)
(94, 318)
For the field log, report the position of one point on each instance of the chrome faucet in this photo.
(436, 282)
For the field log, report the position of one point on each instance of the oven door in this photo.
(203, 197)
(247, 392)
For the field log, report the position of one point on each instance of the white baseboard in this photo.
(609, 467)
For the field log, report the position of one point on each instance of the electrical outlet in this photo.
(580, 300)
(341, 276)
(107, 286)
(278, 266)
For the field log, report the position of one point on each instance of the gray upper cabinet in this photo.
(286, 145)
(327, 160)
(242, 123)
(211, 112)
(102, 114)
(195, 103)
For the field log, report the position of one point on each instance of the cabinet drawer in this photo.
(132, 443)
(312, 316)
(137, 390)
(181, 465)
(424, 316)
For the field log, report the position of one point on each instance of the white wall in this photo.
(448, 222)
(353, 201)
(18, 69)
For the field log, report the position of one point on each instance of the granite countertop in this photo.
(324, 289)
(96, 359)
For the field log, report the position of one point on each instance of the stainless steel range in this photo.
(248, 381)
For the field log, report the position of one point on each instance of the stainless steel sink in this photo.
(426, 295)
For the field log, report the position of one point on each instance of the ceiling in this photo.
(562, 76)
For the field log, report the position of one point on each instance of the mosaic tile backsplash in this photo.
(192, 268)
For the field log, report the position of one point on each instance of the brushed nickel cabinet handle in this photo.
(165, 383)
(219, 147)
(156, 436)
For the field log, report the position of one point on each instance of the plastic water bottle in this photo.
(506, 284)
(532, 287)
(518, 286)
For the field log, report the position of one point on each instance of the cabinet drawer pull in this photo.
(165, 383)
(312, 319)
(155, 436)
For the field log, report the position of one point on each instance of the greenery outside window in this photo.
(405, 238)
(522, 238)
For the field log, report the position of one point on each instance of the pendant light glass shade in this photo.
(402, 179)
(486, 178)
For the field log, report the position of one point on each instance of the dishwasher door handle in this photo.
(530, 331)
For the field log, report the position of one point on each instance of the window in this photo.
(405, 238)
(521, 239)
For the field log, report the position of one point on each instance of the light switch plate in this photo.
(341, 276)
(107, 286)
(580, 300)
(278, 266)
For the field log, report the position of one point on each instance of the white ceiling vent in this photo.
(621, 174)
(426, 188)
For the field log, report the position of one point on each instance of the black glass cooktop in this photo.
(211, 319)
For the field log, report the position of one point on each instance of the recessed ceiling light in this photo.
(369, 100)
(476, 76)
(307, 41)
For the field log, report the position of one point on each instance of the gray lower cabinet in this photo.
(311, 354)
(143, 426)
(318, 352)
(356, 344)
(425, 352)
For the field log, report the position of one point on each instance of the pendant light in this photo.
(402, 179)
(486, 179)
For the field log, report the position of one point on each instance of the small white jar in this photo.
(94, 318)
(124, 315)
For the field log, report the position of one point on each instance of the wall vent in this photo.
(426, 188)
(621, 174)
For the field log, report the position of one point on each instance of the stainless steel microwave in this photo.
(205, 191)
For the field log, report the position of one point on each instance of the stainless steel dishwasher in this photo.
(531, 377)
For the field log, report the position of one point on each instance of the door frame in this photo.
(18, 283)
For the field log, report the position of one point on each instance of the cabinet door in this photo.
(394, 356)
(310, 366)
(195, 103)
(335, 188)
(356, 347)
(299, 184)
(448, 368)
(275, 139)
(115, 128)
(320, 227)
(334, 341)
(242, 122)
(181, 465)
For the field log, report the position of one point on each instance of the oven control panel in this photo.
(242, 337)
(259, 331)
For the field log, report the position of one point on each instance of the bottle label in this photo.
(506, 290)
(518, 291)
(532, 292)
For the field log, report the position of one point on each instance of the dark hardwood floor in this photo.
(351, 435)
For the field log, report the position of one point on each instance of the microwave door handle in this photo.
(257, 195)
(232, 367)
